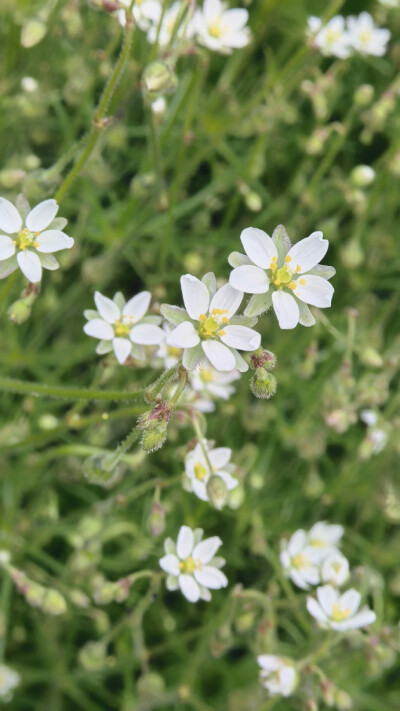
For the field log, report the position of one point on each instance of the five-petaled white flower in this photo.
(221, 29)
(203, 462)
(208, 326)
(191, 564)
(335, 569)
(146, 13)
(339, 612)
(365, 37)
(278, 674)
(331, 39)
(325, 537)
(300, 560)
(123, 326)
(30, 246)
(288, 277)
(9, 680)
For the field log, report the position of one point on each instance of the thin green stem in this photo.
(155, 388)
(21, 387)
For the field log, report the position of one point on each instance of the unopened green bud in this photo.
(352, 254)
(253, 201)
(104, 591)
(217, 492)
(19, 311)
(364, 95)
(328, 692)
(158, 78)
(79, 598)
(245, 621)
(93, 655)
(150, 686)
(32, 32)
(362, 175)
(261, 358)
(155, 437)
(156, 522)
(54, 603)
(263, 384)
(10, 178)
(370, 357)
(34, 593)
(343, 701)
(97, 470)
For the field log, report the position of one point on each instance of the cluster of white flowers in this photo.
(9, 680)
(341, 37)
(214, 26)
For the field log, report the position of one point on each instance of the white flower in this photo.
(288, 277)
(211, 382)
(123, 327)
(145, 12)
(200, 468)
(278, 674)
(164, 34)
(335, 569)
(5, 557)
(207, 326)
(377, 438)
(324, 537)
(339, 612)
(169, 355)
(9, 680)
(300, 560)
(159, 106)
(331, 39)
(31, 238)
(364, 37)
(221, 29)
(369, 417)
(192, 566)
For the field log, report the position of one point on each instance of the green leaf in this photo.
(174, 314)
(282, 243)
(258, 304)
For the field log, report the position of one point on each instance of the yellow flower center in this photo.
(175, 352)
(122, 328)
(339, 614)
(188, 566)
(216, 29)
(282, 277)
(300, 561)
(332, 36)
(200, 471)
(210, 326)
(365, 36)
(26, 239)
(206, 376)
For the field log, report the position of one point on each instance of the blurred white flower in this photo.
(324, 537)
(335, 569)
(145, 13)
(9, 680)
(365, 37)
(168, 354)
(34, 236)
(292, 276)
(369, 417)
(29, 84)
(214, 383)
(164, 34)
(378, 439)
(331, 39)
(339, 612)
(208, 327)
(278, 674)
(200, 467)
(159, 106)
(390, 3)
(300, 560)
(191, 564)
(221, 29)
(362, 175)
(123, 326)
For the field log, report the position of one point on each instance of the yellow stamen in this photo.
(221, 333)
(288, 258)
(202, 317)
(338, 614)
(219, 312)
(302, 282)
(292, 285)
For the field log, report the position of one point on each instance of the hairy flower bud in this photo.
(262, 358)
(154, 437)
(364, 95)
(158, 78)
(263, 384)
(343, 701)
(217, 492)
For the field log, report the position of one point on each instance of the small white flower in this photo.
(169, 355)
(29, 84)
(123, 326)
(221, 29)
(159, 106)
(365, 37)
(5, 557)
(331, 39)
(369, 417)
(145, 12)
(211, 382)
(199, 471)
(278, 674)
(192, 566)
(164, 34)
(300, 560)
(31, 239)
(324, 537)
(9, 680)
(208, 326)
(288, 277)
(339, 612)
(377, 438)
(335, 569)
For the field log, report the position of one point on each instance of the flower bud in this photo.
(19, 311)
(262, 358)
(217, 492)
(364, 95)
(97, 470)
(32, 33)
(343, 701)
(253, 201)
(263, 384)
(362, 175)
(150, 686)
(156, 521)
(93, 655)
(155, 437)
(54, 603)
(158, 78)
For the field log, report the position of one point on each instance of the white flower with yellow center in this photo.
(365, 37)
(123, 326)
(339, 612)
(9, 680)
(145, 13)
(221, 29)
(335, 569)
(211, 382)
(300, 560)
(167, 354)
(278, 674)
(325, 537)
(287, 277)
(191, 564)
(208, 326)
(204, 462)
(30, 238)
(331, 39)
(168, 28)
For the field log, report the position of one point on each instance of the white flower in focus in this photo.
(211, 382)
(208, 326)
(278, 674)
(365, 38)
(200, 468)
(31, 238)
(145, 13)
(331, 39)
(221, 29)
(339, 612)
(335, 569)
(192, 566)
(123, 326)
(324, 537)
(9, 680)
(300, 560)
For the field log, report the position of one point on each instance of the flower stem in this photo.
(12, 385)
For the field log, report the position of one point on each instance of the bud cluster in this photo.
(263, 383)
(49, 600)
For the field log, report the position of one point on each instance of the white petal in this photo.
(146, 334)
(48, 261)
(362, 619)
(327, 598)
(170, 564)
(236, 19)
(30, 265)
(250, 279)
(308, 252)
(315, 291)
(269, 662)
(219, 355)
(241, 337)
(199, 487)
(192, 357)
(211, 577)
(206, 550)
(10, 219)
(205, 594)
(184, 544)
(122, 348)
(315, 610)
(97, 328)
(258, 246)
(195, 296)
(171, 582)
(53, 240)
(137, 306)
(297, 542)
(227, 299)
(106, 308)
(104, 347)
(286, 309)
(7, 247)
(220, 457)
(41, 216)
(183, 336)
(8, 266)
(189, 588)
(351, 599)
